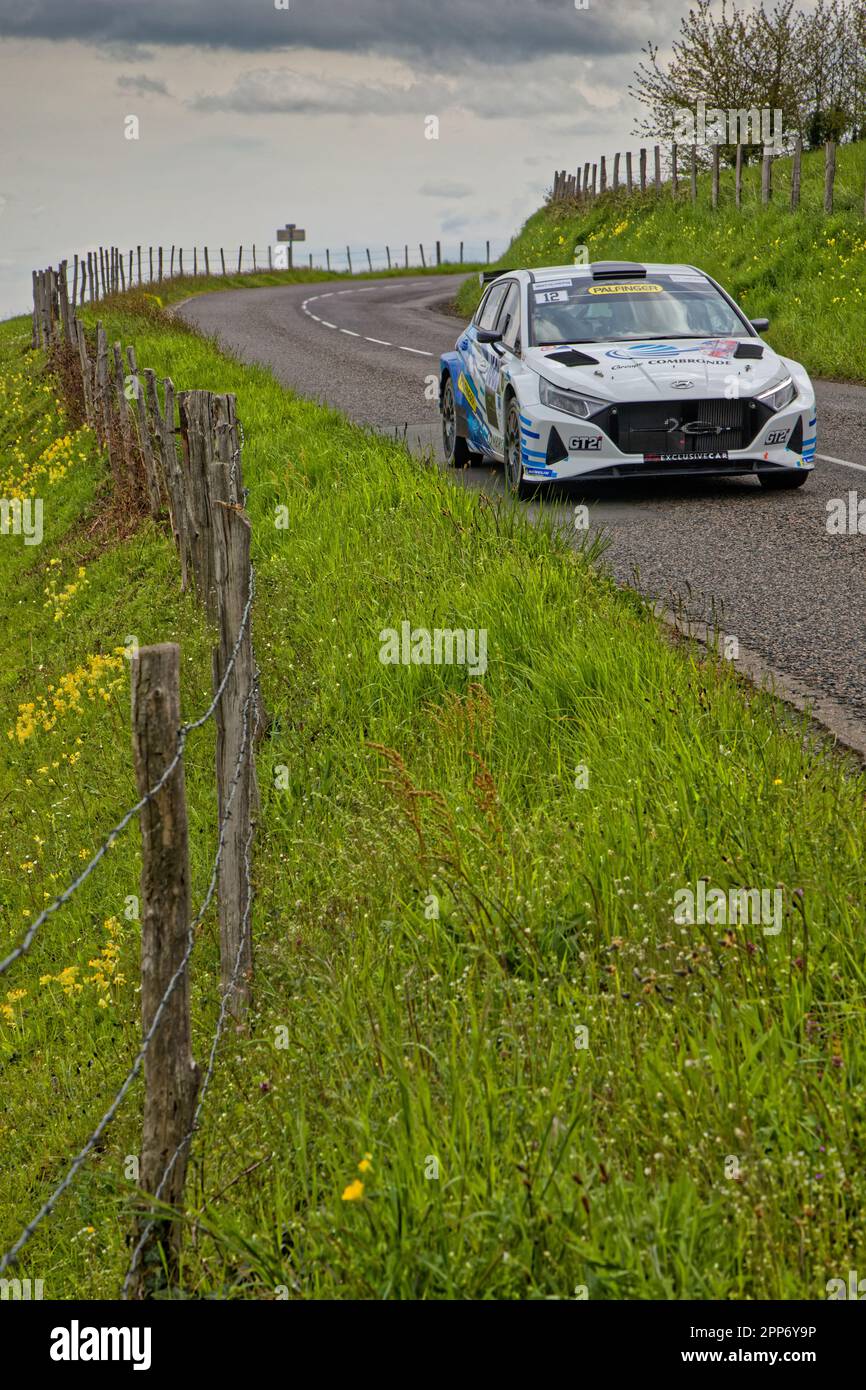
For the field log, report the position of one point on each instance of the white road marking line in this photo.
(419, 352)
(381, 341)
(846, 463)
(325, 324)
(349, 334)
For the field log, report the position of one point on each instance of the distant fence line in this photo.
(109, 270)
(591, 182)
(200, 492)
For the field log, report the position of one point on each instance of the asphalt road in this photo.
(760, 566)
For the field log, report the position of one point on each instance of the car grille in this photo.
(673, 427)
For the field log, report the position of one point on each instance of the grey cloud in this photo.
(446, 189)
(500, 31)
(143, 86)
(543, 91)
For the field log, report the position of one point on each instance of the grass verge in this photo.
(485, 1061)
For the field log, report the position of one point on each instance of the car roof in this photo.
(608, 268)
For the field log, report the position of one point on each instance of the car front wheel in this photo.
(514, 479)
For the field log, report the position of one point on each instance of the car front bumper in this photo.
(786, 441)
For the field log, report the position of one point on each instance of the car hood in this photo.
(653, 370)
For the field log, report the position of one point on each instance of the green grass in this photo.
(181, 287)
(803, 270)
(441, 1044)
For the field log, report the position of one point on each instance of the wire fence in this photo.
(200, 492)
(113, 269)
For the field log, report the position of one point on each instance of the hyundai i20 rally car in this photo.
(621, 370)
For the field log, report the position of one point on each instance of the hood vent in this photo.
(749, 350)
(570, 357)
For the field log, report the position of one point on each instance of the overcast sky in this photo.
(251, 116)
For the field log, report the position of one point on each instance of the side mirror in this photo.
(760, 325)
(488, 336)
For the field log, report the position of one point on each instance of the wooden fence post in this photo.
(602, 174)
(159, 272)
(240, 258)
(145, 442)
(423, 257)
(829, 174)
(223, 260)
(643, 171)
(795, 173)
(594, 180)
(628, 173)
(150, 265)
(767, 177)
(370, 259)
(138, 255)
(616, 173)
(196, 432)
(657, 168)
(170, 1073)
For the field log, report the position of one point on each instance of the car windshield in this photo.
(583, 310)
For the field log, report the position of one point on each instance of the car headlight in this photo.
(569, 401)
(779, 396)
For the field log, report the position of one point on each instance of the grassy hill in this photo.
(484, 1061)
(804, 270)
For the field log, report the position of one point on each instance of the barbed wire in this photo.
(182, 735)
(81, 1157)
(221, 1021)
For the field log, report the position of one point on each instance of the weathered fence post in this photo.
(657, 168)
(795, 173)
(594, 180)
(767, 177)
(602, 174)
(236, 714)
(223, 260)
(616, 173)
(643, 171)
(829, 174)
(349, 258)
(423, 257)
(628, 173)
(170, 1073)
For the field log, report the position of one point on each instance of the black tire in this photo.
(791, 477)
(457, 451)
(514, 479)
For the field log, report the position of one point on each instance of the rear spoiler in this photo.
(485, 276)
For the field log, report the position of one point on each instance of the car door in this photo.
(499, 356)
(480, 368)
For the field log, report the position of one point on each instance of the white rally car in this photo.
(621, 370)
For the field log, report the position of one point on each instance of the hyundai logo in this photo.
(704, 427)
(682, 385)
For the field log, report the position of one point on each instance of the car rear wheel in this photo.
(514, 479)
(457, 451)
(793, 477)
